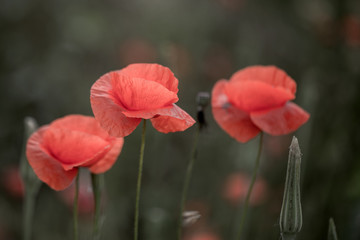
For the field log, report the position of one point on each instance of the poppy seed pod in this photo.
(291, 215)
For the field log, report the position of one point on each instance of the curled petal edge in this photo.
(282, 120)
(172, 119)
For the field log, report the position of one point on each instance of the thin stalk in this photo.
(31, 182)
(253, 179)
(75, 209)
(97, 186)
(187, 180)
(288, 237)
(138, 187)
(29, 205)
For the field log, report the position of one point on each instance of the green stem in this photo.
(187, 180)
(288, 236)
(253, 179)
(97, 186)
(75, 209)
(29, 206)
(138, 187)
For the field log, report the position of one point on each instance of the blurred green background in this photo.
(53, 51)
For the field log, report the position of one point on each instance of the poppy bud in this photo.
(202, 100)
(31, 181)
(291, 215)
(332, 235)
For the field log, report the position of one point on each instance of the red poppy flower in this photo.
(120, 99)
(56, 151)
(257, 99)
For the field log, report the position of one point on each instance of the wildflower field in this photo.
(180, 120)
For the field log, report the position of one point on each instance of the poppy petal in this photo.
(140, 94)
(109, 159)
(74, 148)
(152, 72)
(281, 120)
(172, 120)
(147, 114)
(81, 123)
(45, 166)
(268, 74)
(235, 122)
(255, 95)
(107, 112)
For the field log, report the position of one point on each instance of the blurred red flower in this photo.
(120, 99)
(203, 236)
(257, 99)
(56, 151)
(12, 182)
(86, 202)
(237, 185)
(352, 31)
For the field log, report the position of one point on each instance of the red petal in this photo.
(232, 120)
(140, 94)
(147, 114)
(48, 169)
(255, 95)
(268, 74)
(74, 148)
(81, 123)
(280, 121)
(172, 120)
(107, 112)
(152, 72)
(109, 159)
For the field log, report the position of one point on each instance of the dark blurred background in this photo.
(53, 51)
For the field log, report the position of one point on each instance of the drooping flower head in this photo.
(121, 99)
(56, 151)
(257, 99)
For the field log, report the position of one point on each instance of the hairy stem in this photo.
(253, 179)
(97, 186)
(75, 209)
(187, 180)
(138, 188)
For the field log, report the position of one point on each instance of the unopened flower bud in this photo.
(332, 235)
(202, 100)
(31, 181)
(291, 215)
